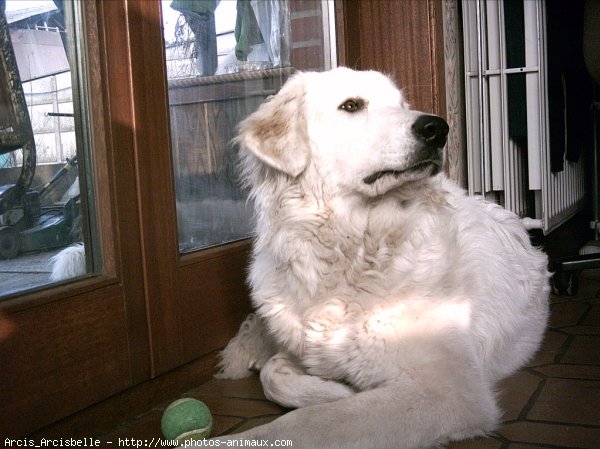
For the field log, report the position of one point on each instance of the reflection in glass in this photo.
(40, 200)
(223, 58)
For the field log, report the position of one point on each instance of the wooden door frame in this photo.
(180, 289)
(76, 344)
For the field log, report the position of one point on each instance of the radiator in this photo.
(513, 171)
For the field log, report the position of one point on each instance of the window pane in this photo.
(223, 59)
(41, 145)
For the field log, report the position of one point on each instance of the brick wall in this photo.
(307, 34)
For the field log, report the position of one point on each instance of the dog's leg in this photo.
(247, 352)
(288, 385)
(407, 413)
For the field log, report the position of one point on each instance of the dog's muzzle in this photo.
(431, 132)
(427, 159)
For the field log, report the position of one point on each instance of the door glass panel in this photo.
(43, 206)
(223, 58)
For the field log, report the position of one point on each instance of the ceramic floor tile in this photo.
(567, 314)
(555, 435)
(581, 330)
(568, 401)
(224, 424)
(143, 428)
(583, 350)
(243, 408)
(248, 388)
(567, 371)
(528, 446)
(593, 317)
(515, 393)
(254, 422)
(552, 345)
(477, 443)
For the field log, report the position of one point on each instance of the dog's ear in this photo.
(276, 133)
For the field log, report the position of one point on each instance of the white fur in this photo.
(68, 263)
(389, 310)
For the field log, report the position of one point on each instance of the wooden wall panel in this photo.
(73, 357)
(402, 38)
(214, 310)
(122, 407)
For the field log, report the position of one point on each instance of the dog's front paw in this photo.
(234, 367)
(278, 379)
(233, 364)
(287, 384)
(256, 365)
(247, 352)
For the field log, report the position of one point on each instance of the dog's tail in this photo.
(68, 263)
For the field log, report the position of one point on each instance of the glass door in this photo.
(223, 58)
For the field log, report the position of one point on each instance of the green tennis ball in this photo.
(186, 419)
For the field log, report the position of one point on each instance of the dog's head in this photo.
(351, 130)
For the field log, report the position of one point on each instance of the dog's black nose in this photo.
(431, 129)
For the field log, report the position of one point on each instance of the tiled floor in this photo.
(552, 403)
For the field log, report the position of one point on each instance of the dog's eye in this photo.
(352, 105)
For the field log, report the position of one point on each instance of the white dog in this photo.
(68, 263)
(388, 303)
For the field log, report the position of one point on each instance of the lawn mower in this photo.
(26, 224)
